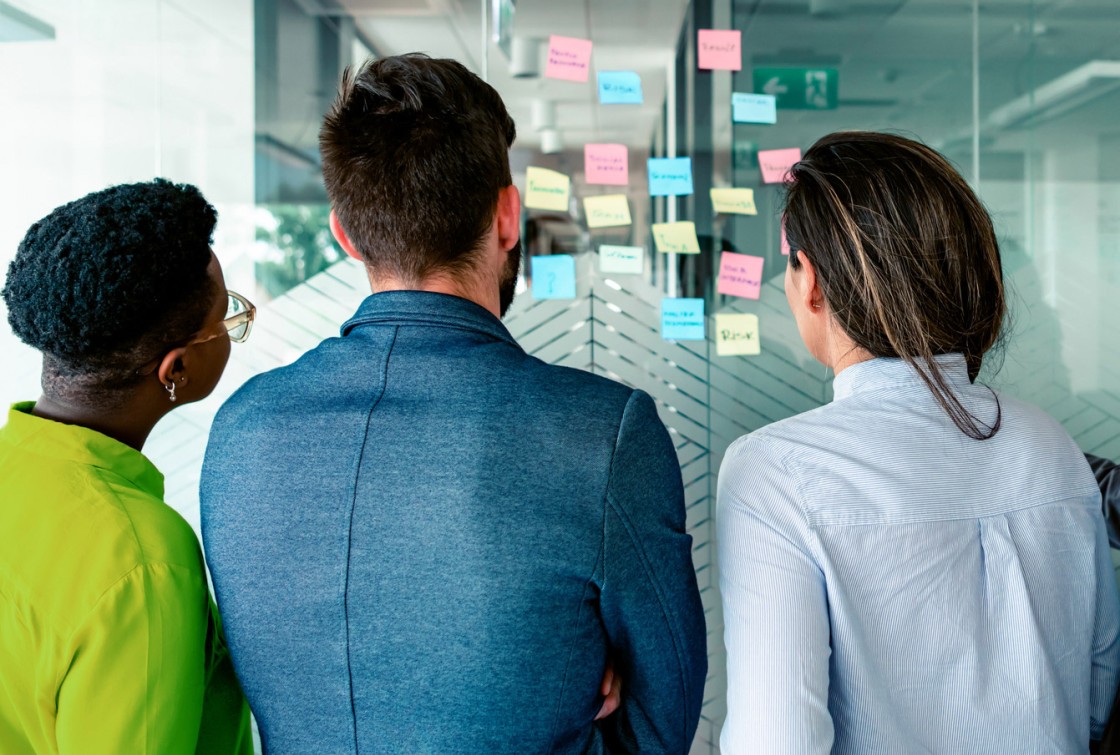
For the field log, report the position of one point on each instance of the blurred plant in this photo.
(300, 246)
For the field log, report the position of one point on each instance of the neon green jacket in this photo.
(109, 640)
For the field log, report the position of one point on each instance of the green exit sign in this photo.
(799, 88)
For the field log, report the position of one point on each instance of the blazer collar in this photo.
(427, 307)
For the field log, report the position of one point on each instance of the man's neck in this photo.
(484, 296)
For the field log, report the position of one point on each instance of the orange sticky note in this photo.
(569, 58)
(775, 163)
(606, 164)
(719, 50)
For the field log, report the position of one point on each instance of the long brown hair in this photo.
(905, 253)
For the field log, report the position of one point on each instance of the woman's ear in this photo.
(808, 288)
(172, 371)
(343, 240)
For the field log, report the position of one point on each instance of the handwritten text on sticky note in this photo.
(670, 176)
(719, 49)
(546, 189)
(624, 260)
(676, 238)
(607, 211)
(740, 275)
(775, 163)
(606, 164)
(682, 319)
(737, 334)
(620, 88)
(554, 276)
(569, 58)
(754, 108)
(734, 201)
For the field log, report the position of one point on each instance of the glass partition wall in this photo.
(1023, 96)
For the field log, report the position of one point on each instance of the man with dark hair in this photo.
(395, 572)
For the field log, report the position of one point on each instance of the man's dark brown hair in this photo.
(415, 151)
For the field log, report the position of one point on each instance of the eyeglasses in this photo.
(240, 314)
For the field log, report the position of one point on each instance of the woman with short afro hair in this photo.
(109, 639)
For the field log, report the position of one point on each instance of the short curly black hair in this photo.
(104, 284)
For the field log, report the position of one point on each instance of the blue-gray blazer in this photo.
(424, 540)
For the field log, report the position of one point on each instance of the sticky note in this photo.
(554, 276)
(785, 241)
(754, 108)
(670, 176)
(607, 211)
(740, 275)
(737, 335)
(606, 164)
(719, 49)
(620, 88)
(679, 237)
(775, 163)
(627, 260)
(734, 201)
(682, 319)
(546, 189)
(569, 58)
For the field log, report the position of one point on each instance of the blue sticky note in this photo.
(554, 276)
(670, 176)
(754, 108)
(682, 319)
(620, 88)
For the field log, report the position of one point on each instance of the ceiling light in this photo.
(525, 57)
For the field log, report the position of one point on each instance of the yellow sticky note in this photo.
(737, 335)
(677, 237)
(546, 189)
(607, 210)
(734, 201)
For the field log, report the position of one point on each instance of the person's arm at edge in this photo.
(776, 625)
(1106, 651)
(650, 600)
(1108, 479)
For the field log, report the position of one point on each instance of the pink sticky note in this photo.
(568, 58)
(719, 50)
(606, 164)
(740, 275)
(785, 241)
(775, 163)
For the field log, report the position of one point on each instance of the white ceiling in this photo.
(905, 64)
(632, 35)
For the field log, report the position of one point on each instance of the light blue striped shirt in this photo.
(893, 586)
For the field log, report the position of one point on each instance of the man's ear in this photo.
(343, 240)
(508, 217)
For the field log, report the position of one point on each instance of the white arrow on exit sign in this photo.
(775, 87)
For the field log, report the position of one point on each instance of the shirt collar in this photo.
(427, 307)
(80, 445)
(883, 371)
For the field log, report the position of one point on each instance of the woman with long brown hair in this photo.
(921, 565)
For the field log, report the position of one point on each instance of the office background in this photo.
(1023, 95)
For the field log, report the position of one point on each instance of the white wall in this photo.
(128, 90)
